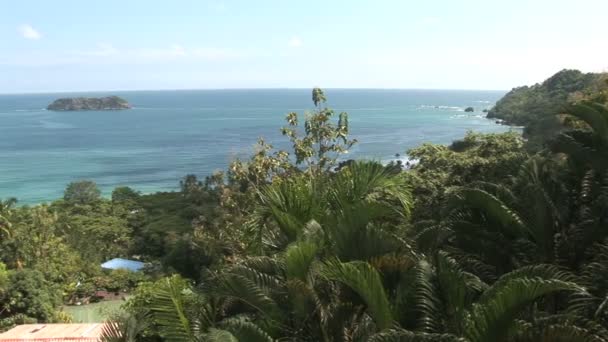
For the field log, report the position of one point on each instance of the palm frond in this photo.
(427, 301)
(595, 115)
(244, 330)
(219, 335)
(264, 264)
(455, 285)
(266, 282)
(556, 333)
(432, 237)
(168, 310)
(302, 300)
(356, 238)
(370, 182)
(298, 259)
(124, 328)
(400, 335)
(538, 271)
(240, 287)
(494, 209)
(558, 328)
(113, 331)
(493, 316)
(362, 278)
(474, 264)
(290, 204)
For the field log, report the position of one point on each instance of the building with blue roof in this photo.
(125, 264)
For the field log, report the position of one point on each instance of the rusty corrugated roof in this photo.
(53, 332)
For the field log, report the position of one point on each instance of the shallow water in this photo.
(169, 134)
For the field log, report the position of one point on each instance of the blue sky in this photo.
(83, 45)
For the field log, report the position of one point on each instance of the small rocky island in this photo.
(89, 103)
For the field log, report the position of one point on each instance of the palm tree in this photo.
(339, 271)
(494, 230)
(525, 262)
(483, 227)
(586, 148)
(449, 304)
(361, 194)
(299, 296)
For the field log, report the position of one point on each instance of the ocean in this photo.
(169, 134)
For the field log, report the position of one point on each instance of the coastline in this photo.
(171, 134)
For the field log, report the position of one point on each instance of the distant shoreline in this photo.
(239, 89)
(169, 134)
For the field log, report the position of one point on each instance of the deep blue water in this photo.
(169, 134)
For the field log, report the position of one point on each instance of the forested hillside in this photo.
(482, 240)
(534, 107)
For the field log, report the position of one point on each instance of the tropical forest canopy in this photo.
(497, 237)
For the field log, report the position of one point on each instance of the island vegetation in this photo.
(534, 107)
(483, 240)
(89, 103)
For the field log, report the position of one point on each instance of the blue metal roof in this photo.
(119, 263)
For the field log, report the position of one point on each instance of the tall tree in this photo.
(82, 192)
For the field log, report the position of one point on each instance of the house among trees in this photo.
(125, 264)
(54, 333)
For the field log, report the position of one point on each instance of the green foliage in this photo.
(323, 141)
(124, 328)
(121, 280)
(524, 105)
(336, 258)
(345, 205)
(30, 294)
(36, 242)
(586, 149)
(479, 241)
(491, 158)
(82, 192)
(111, 232)
(243, 330)
(299, 258)
(168, 309)
(124, 195)
(6, 207)
(493, 317)
(4, 278)
(366, 282)
(536, 107)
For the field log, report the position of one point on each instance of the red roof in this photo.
(53, 332)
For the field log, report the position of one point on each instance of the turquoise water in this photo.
(169, 134)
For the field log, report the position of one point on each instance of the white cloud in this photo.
(170, 53)
(28, 32)
(102, 50)
(295, 42)
(178, 50)
(214, 54)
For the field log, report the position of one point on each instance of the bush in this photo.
(30, 294)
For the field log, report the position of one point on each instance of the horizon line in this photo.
(221, 89)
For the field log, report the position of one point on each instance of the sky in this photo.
(86, 45)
